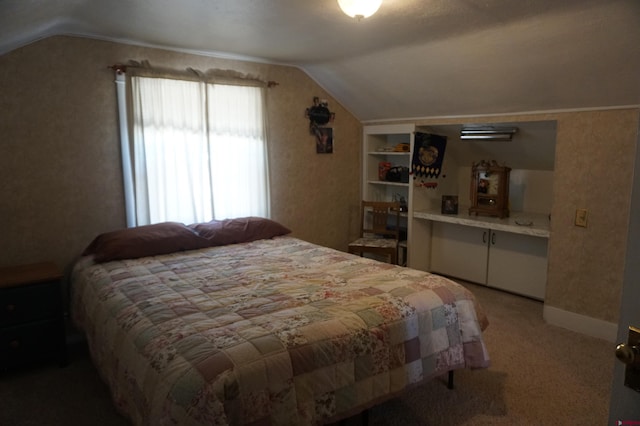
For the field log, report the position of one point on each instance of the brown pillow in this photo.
(239, 230)
(147, 240)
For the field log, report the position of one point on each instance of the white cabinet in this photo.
(505, 260)
(459, 251)
(518, 263)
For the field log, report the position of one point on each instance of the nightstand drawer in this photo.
(31, 342)
(30, 303)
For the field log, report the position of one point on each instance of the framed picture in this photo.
(449, 204)
(324, 140)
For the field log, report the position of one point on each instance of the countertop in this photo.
(534, 224)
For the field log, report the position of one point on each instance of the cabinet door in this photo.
(460, 251)
(518, 263)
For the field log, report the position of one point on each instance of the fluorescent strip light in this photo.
(487, 133)
(496, 136)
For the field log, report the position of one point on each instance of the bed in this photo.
(238, 322)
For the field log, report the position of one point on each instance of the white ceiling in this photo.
(414, 58)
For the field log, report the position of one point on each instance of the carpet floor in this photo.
(540, 375)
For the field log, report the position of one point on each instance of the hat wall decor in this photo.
(318, 114)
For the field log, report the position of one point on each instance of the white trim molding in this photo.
(580, 323)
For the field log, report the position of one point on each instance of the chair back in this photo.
(376, 215)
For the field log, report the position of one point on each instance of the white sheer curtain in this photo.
(238, 155)
(198, 151)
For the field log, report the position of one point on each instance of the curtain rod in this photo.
(211, 75)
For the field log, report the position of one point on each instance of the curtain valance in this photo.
(214, 76)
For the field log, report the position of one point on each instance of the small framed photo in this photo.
(449, 204)
(324, 140)
(483, 186)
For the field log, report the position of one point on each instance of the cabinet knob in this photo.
(11, 307)
(14, 344)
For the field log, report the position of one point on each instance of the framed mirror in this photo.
(489, 189)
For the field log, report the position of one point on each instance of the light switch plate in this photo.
(581, 217)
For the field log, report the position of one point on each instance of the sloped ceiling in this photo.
(414, 58)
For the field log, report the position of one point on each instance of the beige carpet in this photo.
(540, 375)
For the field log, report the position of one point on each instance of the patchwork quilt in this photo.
(276, 331)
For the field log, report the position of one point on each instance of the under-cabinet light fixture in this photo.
(488, 133)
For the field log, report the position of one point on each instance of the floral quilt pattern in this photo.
(277, 331)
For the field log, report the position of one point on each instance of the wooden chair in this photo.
(379, 230)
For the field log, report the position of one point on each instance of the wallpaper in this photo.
(61, 184)
(60, 167)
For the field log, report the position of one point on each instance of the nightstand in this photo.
(31, 315)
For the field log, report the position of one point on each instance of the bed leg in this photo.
(450, 380)
(365, 418)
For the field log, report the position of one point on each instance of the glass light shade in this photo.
(359, 8)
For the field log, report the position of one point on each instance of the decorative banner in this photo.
(428, 154)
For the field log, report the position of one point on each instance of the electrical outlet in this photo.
(581, 217)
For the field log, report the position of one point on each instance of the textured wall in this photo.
(60, 170)
(594, 169)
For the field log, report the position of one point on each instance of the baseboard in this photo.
(580, 323)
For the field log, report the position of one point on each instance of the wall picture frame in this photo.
(324, 140)
(449, 204)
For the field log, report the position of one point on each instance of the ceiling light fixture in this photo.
(359, 8)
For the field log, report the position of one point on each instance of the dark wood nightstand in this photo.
(31, 315)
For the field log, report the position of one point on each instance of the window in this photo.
(197, 152)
